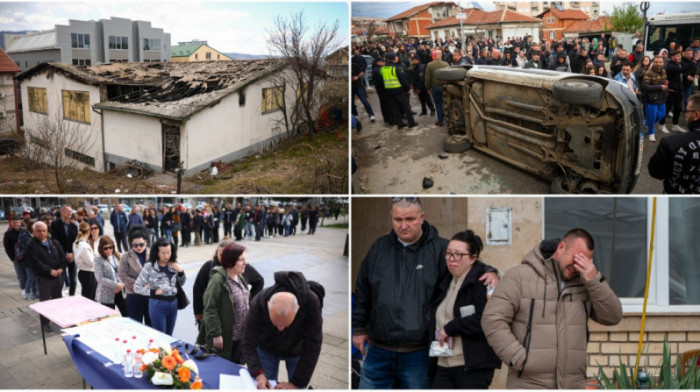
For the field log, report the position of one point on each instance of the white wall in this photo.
(54, 96)
(520, 31)
(8, 117)
(132, 136)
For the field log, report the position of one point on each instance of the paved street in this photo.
(319, 257)
(395, 162)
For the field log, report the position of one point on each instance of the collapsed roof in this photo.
(168, 90)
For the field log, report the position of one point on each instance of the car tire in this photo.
(577, 91)
(451, 74)
(456, 144)
(558, 188)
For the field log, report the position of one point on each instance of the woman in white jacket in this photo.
(84, 260)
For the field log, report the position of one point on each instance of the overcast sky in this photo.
(388, 9)
(227, 26)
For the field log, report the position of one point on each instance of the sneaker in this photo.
(24, 294)
(652, 138)
(412, 125)
(438, 123)
(677, 128)
(663, 129)
(371, 118)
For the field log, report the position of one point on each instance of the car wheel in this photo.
(456, 143)
(577, 91)
(558, 186)
(450, 74)
(455, 117)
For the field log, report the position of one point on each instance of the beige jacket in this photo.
(129, 269)
(553, 354)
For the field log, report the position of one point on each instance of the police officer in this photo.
(396, 88)
(417, 79)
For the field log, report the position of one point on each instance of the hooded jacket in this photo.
(534, 324)
(394, 290)
(675, 163)
(303, 338)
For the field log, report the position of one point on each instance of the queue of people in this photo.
(236, 318)
(422, 315)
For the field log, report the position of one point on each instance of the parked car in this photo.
(103, 208)
(582, 133)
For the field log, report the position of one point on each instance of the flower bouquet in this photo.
(166, 367)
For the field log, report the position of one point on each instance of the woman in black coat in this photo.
(456, 319)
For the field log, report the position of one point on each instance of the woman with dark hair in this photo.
(601, 71)
(251, 275)
(167, 223)
(642, 67)
(151, 222)
(456, 319)
(94, 238)
(226, 304)
(158, 280)
(110, 291)
(130, 266)
(84, 256)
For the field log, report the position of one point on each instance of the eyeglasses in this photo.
(107, 247)
(138, 244)
(94, 228)
(456, 256)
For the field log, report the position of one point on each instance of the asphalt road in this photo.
(395, 162)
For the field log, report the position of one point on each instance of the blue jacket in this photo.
(621, 78)
(119, 221)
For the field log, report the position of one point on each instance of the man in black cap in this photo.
(394, 83)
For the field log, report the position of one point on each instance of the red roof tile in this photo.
(586, 26)
(418, 9)
(6, 63)
(566, 14)
(477, 17)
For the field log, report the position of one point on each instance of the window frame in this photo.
(659, 285)
(66, 110)
(45, 100)
(264, 99)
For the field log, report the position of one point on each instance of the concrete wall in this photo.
(80, 27)
(8, 113)
(29, 60)
(131, 136)
(143, 30)
(54, 96)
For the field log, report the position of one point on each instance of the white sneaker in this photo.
(371, 118)
(677, 128)
(652, 138)
(662, 128)
(670, 114)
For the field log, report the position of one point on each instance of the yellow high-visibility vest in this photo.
(389, 76)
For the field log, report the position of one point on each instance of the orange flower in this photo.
(168, 362)
(143, 367)
(154, 350)
(184, 374)
(197, 384)
(178, 358)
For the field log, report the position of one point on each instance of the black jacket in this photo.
(9, 240)
(688, 67)
(58, 233)
(251, 275)
(186, 220)
(477, 352)
(197, 222)
(38, 258)
(416, 76)
(674, 74)
(395, 288)
(675, 164)
(302, 338)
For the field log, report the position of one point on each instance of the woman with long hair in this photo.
(158, 280)
(642, 67)
(226, 303)
(84, 261)
(456, 319)
(94, 239)
(130, 266)
(110, 291)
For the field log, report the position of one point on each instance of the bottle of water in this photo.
(118, 350)
(125, 346)
(137, 365)
(128, 364)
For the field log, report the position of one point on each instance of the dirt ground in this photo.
(396, 162)
(317, 165)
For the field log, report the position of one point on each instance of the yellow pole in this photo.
(646, 291)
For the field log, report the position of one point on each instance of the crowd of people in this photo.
(405, 65)
(137, 272)
(427, 312)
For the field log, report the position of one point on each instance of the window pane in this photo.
(619, 229)
(112, 44)
(80, 40)
(73, 40)
(87, 40)
(125, 42)
(684, 268)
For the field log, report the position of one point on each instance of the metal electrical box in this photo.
(499, 225)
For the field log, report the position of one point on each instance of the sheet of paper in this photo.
(101, 336)
(247, 379)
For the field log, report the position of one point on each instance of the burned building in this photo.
(159, 114)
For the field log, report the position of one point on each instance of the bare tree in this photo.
(63, 144)
(305, 51)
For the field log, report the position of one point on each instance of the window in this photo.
(552, 35)
(550, 20)
(208, 55)
(81, 62)
(81, 41)
(118, 42)
(37, 100)
(196, 56)
(621, 228)
(151, 44)
(39, 142)
(86, 159)
(272, 99)
(76, 106)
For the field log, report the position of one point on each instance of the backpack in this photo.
(22, 240)
(317, 289)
